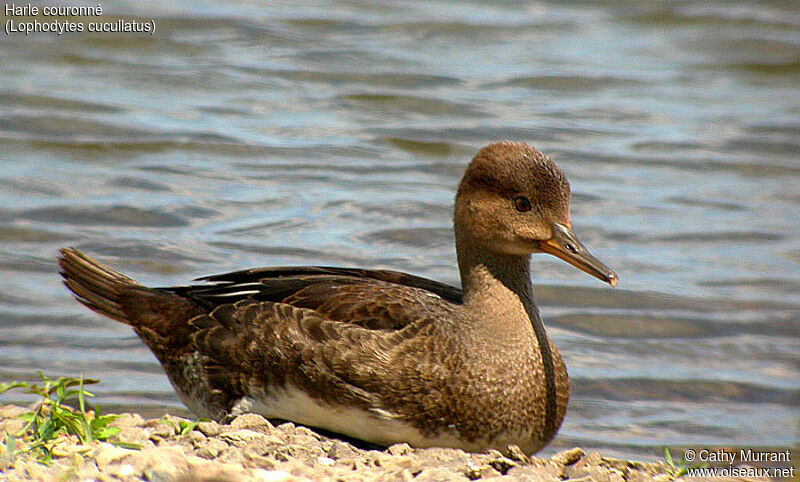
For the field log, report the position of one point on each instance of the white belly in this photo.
(379, 427)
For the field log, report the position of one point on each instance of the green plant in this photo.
(53, 417)
(183, 426)
(679, 468)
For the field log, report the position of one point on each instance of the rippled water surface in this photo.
(242, 135)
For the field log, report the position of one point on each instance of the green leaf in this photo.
(187, 426)
(81, 397)
(127, 445)
(77, 382)
(103, 420)
(668, 456)
(106, 432)
(79, 394)
(4, 387)
(100, 429)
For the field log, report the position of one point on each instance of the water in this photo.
(245, 135)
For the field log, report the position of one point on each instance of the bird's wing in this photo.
(256, 346)
(368, 298)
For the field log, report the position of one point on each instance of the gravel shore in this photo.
(251, 448)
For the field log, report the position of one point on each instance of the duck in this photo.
(376, 355)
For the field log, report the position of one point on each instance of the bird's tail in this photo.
(97, 286)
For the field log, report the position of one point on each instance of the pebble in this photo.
(399, 449)
(341, 450)
(108, 454)
(252, 421)
(209, 429)
(212, 449)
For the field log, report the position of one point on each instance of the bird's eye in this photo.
(522, 203)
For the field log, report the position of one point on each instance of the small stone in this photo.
(530, 473)
(162, 431)
(391, 462)
(66, 446)
(516, 454)
(599, 473)
(209, 429)
(327, 461)
(399, 449)
(13, 425)
(152, 422)
(241, 438)
(196, 438)
(287, 427)
(255, 441)
(576, 470)
(60, 450)
(232, 456)
(568, 457)
(9, 419)
(161, 462)
(341, 450)
(12, 411)
(128, 420)
(615, 475)
(298, 451)
(252, 421)
(501, 463)
(406, 476)
(622, 466)
(475, 472)
(212, 448)
(300, 430)
(586, 466)
(133, 434)
(108, 454)
(254, 458)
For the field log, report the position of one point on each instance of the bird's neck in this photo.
(499, 299)
(498, 285)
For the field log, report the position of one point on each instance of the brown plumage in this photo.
(378, 355)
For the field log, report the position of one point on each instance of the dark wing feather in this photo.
(278, 277)
(271, 344)
(250, 348)
(376, 299)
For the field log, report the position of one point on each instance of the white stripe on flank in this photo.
(235, 293)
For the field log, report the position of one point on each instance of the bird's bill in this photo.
(565, 245)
